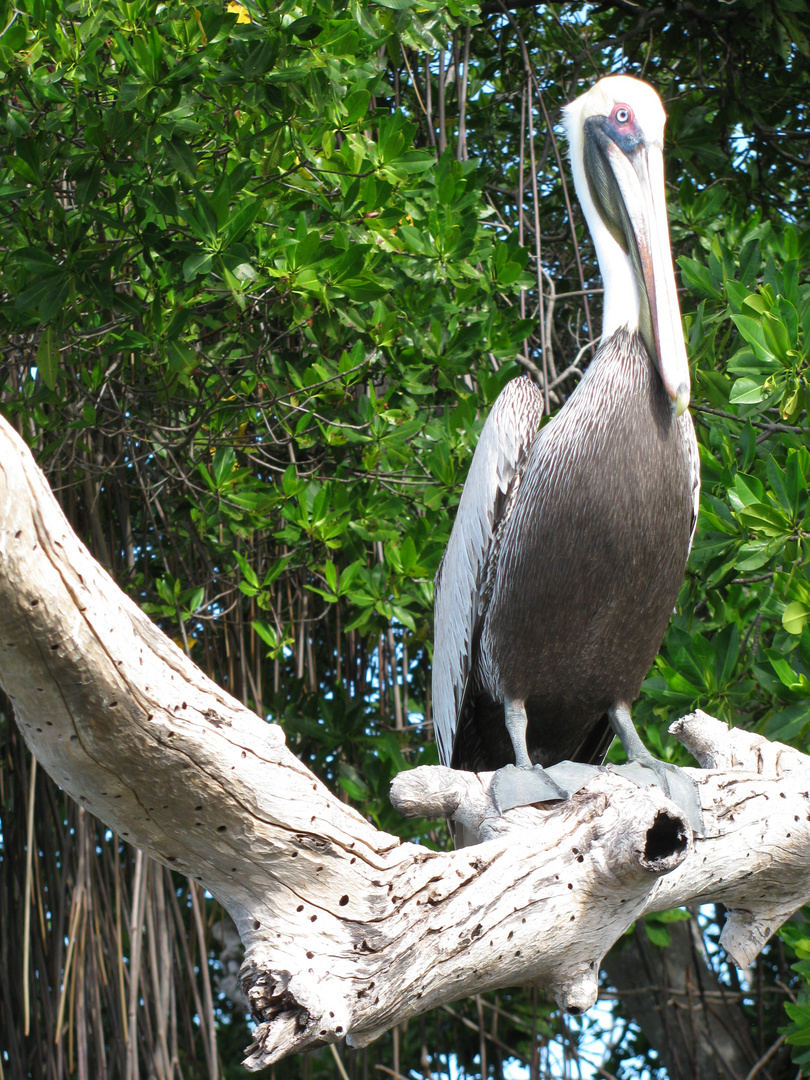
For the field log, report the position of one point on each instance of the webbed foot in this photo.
(675, 783)
(520, 786)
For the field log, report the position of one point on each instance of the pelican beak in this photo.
(626, 179)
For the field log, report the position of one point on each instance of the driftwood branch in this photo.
(348, 931)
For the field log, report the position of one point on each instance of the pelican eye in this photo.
(622, 114)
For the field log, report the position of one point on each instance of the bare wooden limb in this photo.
(348, 931)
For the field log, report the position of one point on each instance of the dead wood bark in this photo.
(348, 931)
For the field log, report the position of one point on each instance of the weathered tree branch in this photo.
(348, 931)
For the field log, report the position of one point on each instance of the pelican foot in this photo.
(513, 786)
(675, 783)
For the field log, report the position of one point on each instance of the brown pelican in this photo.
(570, 542)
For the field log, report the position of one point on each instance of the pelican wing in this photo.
(459, 601)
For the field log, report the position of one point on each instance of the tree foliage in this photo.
(265, 267)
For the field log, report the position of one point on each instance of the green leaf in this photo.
(197, 263)
(48, 356)
(414, 239)
(658, 934)
(223, 465)
(795, 616)
(699, 279)
(747, 391)
(785, 673)
(266, 632)
(727, 646)
(750, 262)
(752, 332)
(755, 555)
(241, 220)
(248, 572)
(748, 490)
(765, 519)
(777, 339)
(356, 104)
(787, 724)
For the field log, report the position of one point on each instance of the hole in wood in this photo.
(665, 837)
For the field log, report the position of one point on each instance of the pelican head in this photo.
(616, 137)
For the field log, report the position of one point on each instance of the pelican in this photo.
(570, 542)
